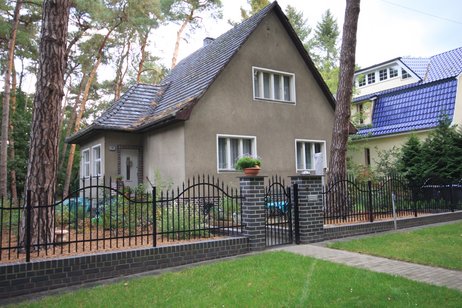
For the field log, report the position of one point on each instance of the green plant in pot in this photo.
(249, 164)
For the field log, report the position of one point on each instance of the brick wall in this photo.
(311, 217)
(36, 276)
(253, 210)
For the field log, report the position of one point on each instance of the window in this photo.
(383, 74)
(405, 74)
(393, 72)
(310, 155)
(370, 78)
(361, 81)
(97, 160)
(273, 85)
(86, 163)
(230, 148)
(367, 156)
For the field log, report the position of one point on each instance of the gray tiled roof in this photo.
(144, 106)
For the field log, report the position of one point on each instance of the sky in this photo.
(387, 29)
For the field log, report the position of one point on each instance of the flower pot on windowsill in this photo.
(253, 171)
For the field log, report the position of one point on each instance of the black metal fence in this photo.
(278, 209)
(350, 201)
(104, 215)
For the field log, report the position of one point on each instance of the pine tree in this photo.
(410, 162)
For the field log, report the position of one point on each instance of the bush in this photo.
(181, 221)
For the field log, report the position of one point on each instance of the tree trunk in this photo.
(178, 37)
(71, 124)
(120, 73)
(144, 42)
(43, 152)
(86, 93)
(338, 149)
(11, 151)
(6, 103)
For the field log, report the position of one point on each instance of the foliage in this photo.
(270, 279)
(411, 159)
(387, 161)
(255, 7)
(181, 221)
(247, 161)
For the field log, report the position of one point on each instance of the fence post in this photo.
(253, 210)
(310, 212)
(369, 188)
(154, 217)
(451, 191)
(28, 229)
(296, 215)
(414, 201)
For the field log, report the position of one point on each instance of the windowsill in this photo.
(228, 171)
(269, 100)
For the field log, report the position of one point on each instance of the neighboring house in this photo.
(253, 90)
(401, 97)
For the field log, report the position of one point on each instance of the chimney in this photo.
(208, 40)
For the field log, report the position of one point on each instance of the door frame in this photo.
(140, 160)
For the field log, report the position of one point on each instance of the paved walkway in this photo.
(432, 275)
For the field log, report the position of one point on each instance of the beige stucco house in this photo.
(404, 96)
(253, 90)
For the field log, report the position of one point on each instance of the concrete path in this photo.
(432, 275)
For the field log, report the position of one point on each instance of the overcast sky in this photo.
(387, 28)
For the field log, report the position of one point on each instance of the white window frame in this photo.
(95, 160)
(272, 73)
(323, 151)
(230, 164)
(86, 163)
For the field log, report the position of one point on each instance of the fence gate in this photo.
(278, 208)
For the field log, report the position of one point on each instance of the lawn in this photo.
(272, 279)
(437, 246)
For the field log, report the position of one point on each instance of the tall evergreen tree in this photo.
(300, 25)
(43, 151)
(410, 162)
(337, 163)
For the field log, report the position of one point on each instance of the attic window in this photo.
(273, 85)
(370, 78)
(393, 72)
(383, 74)
(405, 74)
(361, 81)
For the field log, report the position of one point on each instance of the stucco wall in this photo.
(458, 107)
(229, 108)
(356, 150)
(100, 140)
(164, 152)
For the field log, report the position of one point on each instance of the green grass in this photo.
(276, 279)
(437, 246)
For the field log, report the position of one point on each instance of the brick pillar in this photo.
(311, 216)
(253, 210)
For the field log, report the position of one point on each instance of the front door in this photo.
(129, 166)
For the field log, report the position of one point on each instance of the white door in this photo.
(129, 167)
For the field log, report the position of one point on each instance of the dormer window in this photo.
(361, 81)
(405, 74)
(370, 78)
(273, 85)
(383, 74)
(393, 72)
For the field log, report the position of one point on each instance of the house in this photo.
(253, 90)
(404, 96)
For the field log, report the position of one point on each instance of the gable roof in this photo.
(414, 108)
(188, 81)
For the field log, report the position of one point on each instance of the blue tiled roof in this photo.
(417, 65)
(445, 65)
(413, 108)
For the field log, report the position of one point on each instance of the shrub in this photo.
(247, 162)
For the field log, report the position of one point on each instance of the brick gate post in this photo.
(311, 216)
(253, 210)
